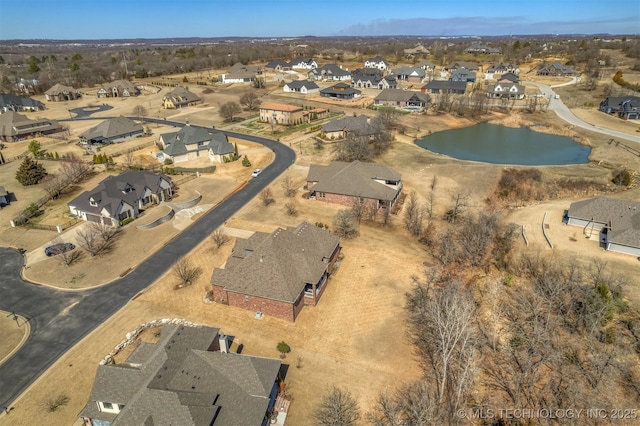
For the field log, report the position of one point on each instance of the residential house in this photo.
(180, 97)
(350, 125)
(471, 66)
(277, 274)
(340, 91)
(627, 107)
(4, 197)
(378, 62)
(192, 142)
(240, 73)
(29, 86)
(505, 90)
(301, 86)
(440, 87)
(284, 114)
(463, 74)
(59, 93)
(408, 100)
(303, 64)
(11, 102)
(496, 70)
(277, 65)
(482, 49)
(409, 74)
(112, 130)
(15, 127)
(118, 89)
(343, 183)
(329, 72)
(615, 222)
(509, 77)
(428, 66)
(418, 50)
(556, 69)
(121, 197)
(372, 78)
(318, 113)
(188, 378)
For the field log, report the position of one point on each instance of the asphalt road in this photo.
(59, 319)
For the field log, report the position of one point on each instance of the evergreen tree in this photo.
(95, 159)
(57, 156)
(30, 172)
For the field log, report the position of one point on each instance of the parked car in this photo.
(256, 173)
(58, 249)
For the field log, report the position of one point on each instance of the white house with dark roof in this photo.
(192, 142)
(240, 73)
(345, 183)
(303, 64)
(15, 103)
(410, 74)
(180, 97)
(377, 62)
(277, 274)
(304, 87)
(329, 72)
(121, 197)
(506, 90)
(626, 107)
(187, 378)
(615, 222)
(112, 130)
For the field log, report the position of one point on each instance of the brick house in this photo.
(59, 92)
(346, 183)
(277, 274)
(15, 127)
(118, 89)
(281, 114)
(180, 97)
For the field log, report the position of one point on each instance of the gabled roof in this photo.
(464, 64)
(556, 66)
(281, 107)
(510, 77)
(299, 84)
(109, 194)
(330, 69)
(277, 62)
(181, 381)
(121, 85)
(58, 89)
(14, 124)
(446, 85)
(377, 60)
(400, 95)
(618, 101)
(176, 142)
(415, 71)
(357, 125)
(355, 179)
(623, 215)
(9, 100)
(340, 89)
(277, 266)
(112, 128)
(506, 87)
(180, 95)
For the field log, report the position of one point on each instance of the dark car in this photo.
(58, 248)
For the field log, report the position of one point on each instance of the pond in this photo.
(492, 143)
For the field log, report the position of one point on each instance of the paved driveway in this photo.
(59, 319)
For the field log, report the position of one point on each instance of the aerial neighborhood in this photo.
(270, 231)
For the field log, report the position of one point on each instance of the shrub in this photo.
(621, 177)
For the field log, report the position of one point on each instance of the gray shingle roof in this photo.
(112, 128)
(58, 89)
(356, 179)
(181, 96)
(446, 85)
(624, 216)
(400, 95)
(108, 194)
(17, 103)
(176, 142)
(178, 381)
(358, 125)
(277, 266)
(14, 124)
(409, 71)
(299, 84)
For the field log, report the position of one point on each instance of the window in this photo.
(322, 195)
(107, 406)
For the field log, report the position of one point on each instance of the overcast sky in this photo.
(94, 19)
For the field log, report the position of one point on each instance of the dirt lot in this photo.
(372, 353)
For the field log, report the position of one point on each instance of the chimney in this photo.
(224, 344)
(260, 258)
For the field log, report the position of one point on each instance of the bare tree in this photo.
(344, 224)
(441, 317)
(432, 194)
(460, 203)
(52, 403)
(413, 215)
(291, 208)
(186, 272)
(266, 196)
(96, 238)
(288, 186)
(358, 207)
(220, 237)
(52, 185)
(140, 112)
(250, 100)
(413, 404)
(229, 110)
(337, 408)
(73, 168)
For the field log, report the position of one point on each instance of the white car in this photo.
(256, 173)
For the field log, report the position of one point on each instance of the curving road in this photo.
(59, 319)
(565, 113)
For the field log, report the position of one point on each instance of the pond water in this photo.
(492, 143)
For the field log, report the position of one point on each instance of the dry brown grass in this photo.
(12, 331)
